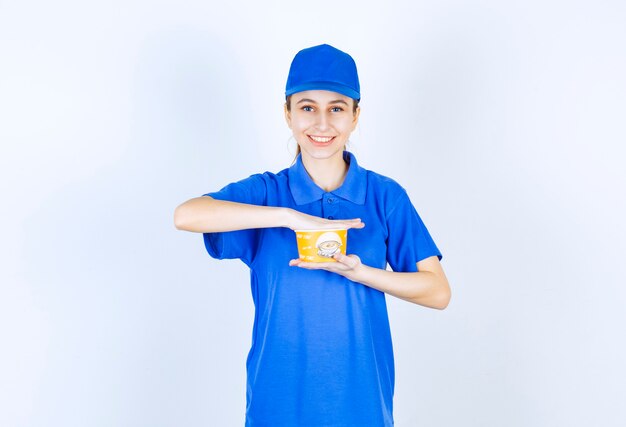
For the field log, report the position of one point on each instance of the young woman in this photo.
(321, 350)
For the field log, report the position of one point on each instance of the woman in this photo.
(321, 351)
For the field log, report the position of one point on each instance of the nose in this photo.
(323, 121)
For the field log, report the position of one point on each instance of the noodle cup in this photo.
(321, 245)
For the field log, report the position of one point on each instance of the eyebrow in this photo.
(336, 101)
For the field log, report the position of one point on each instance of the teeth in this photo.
(321, 138)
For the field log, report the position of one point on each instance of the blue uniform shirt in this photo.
(321, 352)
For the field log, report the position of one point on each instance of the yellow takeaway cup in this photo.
(321, 245)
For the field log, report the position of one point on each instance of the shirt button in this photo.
(330, 200)
(331, 217)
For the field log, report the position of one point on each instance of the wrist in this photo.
(359, 273)
(286, 217)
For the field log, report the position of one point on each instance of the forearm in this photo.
(423, 287)
(208, 215)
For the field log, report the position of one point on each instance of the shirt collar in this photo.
(304, 190)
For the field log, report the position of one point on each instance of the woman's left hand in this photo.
(345, 265)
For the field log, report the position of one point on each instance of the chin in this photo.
(322, 153)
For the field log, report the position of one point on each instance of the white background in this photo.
(504, 121)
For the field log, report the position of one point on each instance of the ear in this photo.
(287, 116)
(355, 120)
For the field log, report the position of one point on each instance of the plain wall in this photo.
(503, 120)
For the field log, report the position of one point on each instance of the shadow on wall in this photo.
(103, 258)
(181, 100)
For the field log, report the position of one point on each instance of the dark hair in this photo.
(355, 105)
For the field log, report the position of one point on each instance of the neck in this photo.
(328, 174)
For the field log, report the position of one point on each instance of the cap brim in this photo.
(333, 87)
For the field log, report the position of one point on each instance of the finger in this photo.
(309, 265)
(350, 261)
(356, 225)
(340, 257)
(317, 265)
(346, 222)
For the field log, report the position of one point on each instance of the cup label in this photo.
(320, 245)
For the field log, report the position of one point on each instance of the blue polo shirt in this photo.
(321, 352)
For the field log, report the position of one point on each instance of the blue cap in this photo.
(323, 67)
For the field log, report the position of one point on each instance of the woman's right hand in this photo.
(302, 221)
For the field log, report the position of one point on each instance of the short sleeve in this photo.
(408, 240)
(241, 244)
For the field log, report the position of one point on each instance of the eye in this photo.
(336, 109)
(307, 108)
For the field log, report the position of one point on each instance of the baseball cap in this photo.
(323, 67)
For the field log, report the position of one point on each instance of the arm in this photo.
(208, 215)
(428, 286)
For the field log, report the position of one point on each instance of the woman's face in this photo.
(321, 122)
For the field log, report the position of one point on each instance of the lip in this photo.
(321, 144)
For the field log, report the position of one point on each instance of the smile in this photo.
(321, 139)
